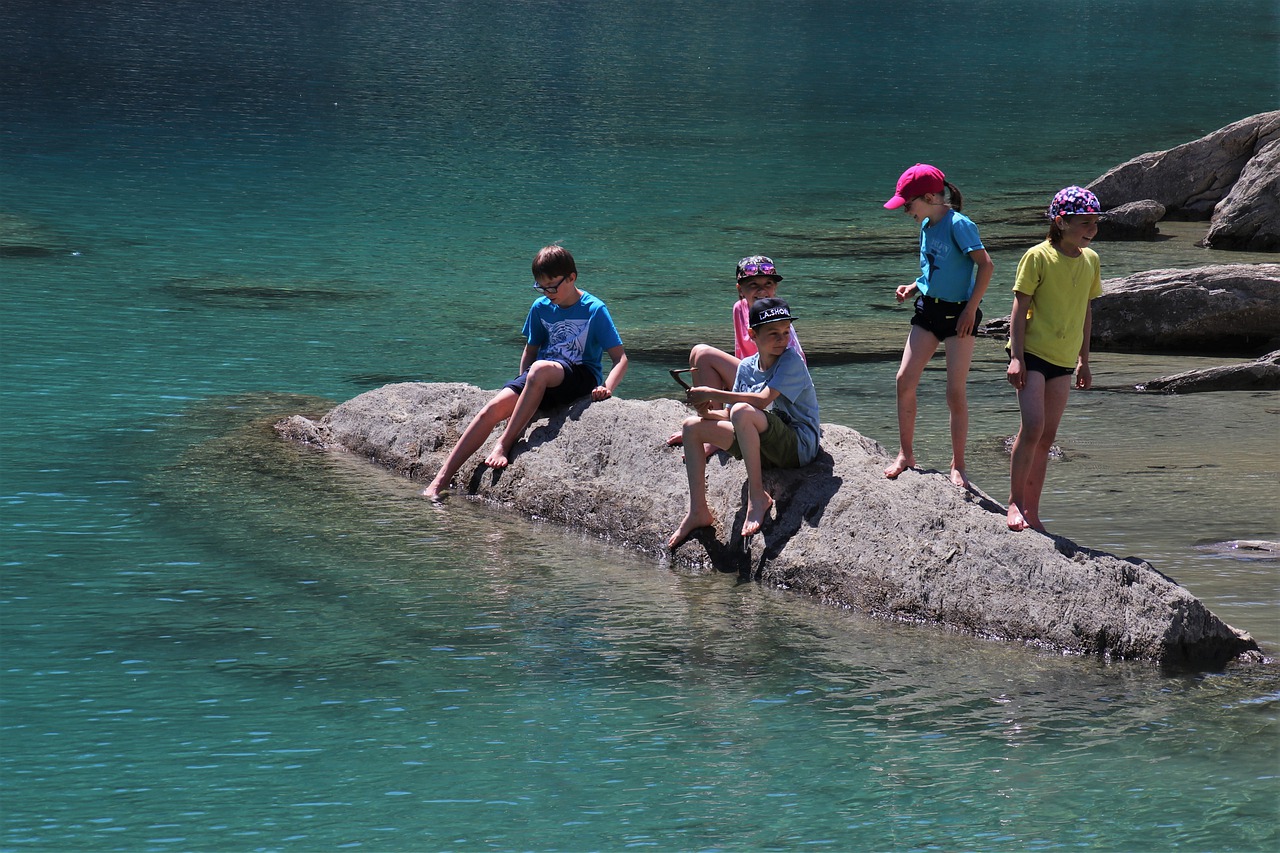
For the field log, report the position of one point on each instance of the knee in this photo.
(739, 411)
(957, 400)
(698, 354)
(541, 372)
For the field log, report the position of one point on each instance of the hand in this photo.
(1084, 377)
(1016, 374)
(964, 323)
(700, 397)
(904, 290)
(601, 393)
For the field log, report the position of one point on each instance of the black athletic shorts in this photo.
(939, 317)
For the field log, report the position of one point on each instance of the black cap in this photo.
(769, 310)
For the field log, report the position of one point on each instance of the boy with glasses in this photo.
(567, 331)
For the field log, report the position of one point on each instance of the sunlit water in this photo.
(213, 640)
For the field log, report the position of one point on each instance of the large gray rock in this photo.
(916, 548)
(1226, 308)
(1262, 374)
(1248, 218)
(1192, 178)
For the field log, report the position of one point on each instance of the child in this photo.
(770, 417)
(567, 329)
(1048, 338)
(955, 270)
(712, 368)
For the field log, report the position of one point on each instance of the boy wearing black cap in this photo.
(769, 418)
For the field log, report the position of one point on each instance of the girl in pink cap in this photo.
(955, 270)
(1049, 340)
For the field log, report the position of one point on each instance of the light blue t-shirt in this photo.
(946, 270)
(797, 401)
(578, 334)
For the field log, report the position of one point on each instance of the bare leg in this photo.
(697, 431)
(1056, 392)
(959, 357)
(1031, 406)
(712, 368)
(748, 424)
(921, 345)
(473, 437)
(542, 375)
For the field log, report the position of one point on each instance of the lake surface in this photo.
(219, 214)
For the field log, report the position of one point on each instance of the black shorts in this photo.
(578, 382)
(939, 317)
(1047, 369)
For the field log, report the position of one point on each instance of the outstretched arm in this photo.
(619, 357)
(704, 396)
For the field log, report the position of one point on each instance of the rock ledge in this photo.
(913, 549)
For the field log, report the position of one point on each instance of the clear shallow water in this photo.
(212, 641)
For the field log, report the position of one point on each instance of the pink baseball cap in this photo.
(916, 181)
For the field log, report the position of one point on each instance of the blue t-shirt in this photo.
(946, 270)
(578, 334)
(797, 401)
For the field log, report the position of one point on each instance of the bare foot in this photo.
(435, 492)
(1015, 518)
(676, 439)
(959, 479)
(755, 519)
(899, 465)
(1033, 521)
(692, 521)
(497, 457)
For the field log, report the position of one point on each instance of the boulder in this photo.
(1233, 309)
(1262, 374)
(915, 548)
(1192, 178)
(1133, 221)
(1248, 219)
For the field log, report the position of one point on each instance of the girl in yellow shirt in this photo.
(1049, 341)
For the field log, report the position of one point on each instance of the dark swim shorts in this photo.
(1047, 368)
(939, 317)
(578, 382)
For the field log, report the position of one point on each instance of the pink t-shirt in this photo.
(743, 346)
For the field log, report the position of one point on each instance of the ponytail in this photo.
(957, 200)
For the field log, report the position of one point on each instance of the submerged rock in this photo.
(914, 549)
(1262, 374)
(1225, 308)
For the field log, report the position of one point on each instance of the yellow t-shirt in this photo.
(1060, 289)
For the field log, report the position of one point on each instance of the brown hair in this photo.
(1056, 233)
(955, 199)
(553, 261)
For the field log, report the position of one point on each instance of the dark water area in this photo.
(214, 215)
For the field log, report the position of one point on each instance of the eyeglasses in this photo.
(550, 288)
(907, 207)
(757, 269)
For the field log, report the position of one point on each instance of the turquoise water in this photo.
(213, 641)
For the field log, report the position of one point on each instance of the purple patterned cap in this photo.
(1072, 201)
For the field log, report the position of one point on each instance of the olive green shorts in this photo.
(779, 444)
